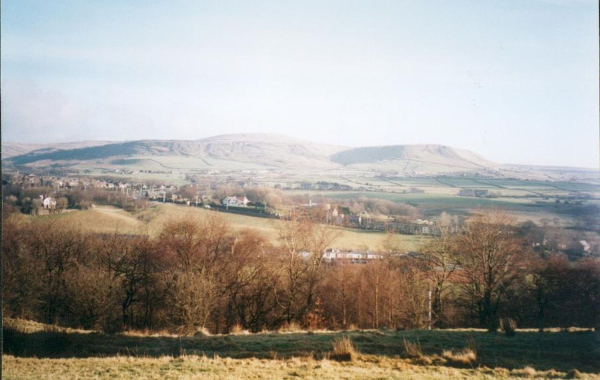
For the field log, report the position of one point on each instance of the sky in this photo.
(514, 81)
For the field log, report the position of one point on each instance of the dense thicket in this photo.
(201, 274)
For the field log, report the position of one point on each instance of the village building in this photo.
(235, 201)
(48, 203)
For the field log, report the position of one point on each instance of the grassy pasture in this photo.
(450, 185)
(436, 202)
(106, 219)
(53, 352)
(432, 204)
(349, 239)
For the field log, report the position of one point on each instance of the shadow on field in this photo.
(562, 351)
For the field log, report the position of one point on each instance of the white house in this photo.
(49, 203)
(235, 201)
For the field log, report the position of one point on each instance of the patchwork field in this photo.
(38, 351)
(433, 204)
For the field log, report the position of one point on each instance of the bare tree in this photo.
(193, 299)
(200, 253)
(439, 258)
(489, 253)
(301, 261)
(138, 269)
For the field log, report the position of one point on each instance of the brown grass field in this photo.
(108, 219)
(36, 351)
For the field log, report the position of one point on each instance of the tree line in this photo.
(200, 274)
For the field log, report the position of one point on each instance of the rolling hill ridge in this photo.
(256, 152)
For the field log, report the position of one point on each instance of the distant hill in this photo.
(417, 155)
(11, 149)
(270, 152)
(263, 149)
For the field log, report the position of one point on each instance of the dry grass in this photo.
(28, 327)
(104, 219)
(195, 367)
(291, 327)
(148, 333)
(529, 371)
(343, 350)
(463, 359)
(108, 219)
(238, 330)
(574, 374)
(202, 331)
(366, 353)
(412, 349)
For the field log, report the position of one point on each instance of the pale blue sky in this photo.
(515, 81)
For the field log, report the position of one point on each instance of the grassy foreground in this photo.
(202, 367)
(38, 351)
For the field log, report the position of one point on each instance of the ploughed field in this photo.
(33, 350)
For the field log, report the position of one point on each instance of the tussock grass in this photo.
(291, 327)
(574, 374)
(343, 350)
(412, 349)
(202, 331)
(464, 359)
(238, 330)
(529, 371)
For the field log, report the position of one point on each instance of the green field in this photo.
(37, 351)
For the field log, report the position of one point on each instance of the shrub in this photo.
(14, 341)
(343, 350)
